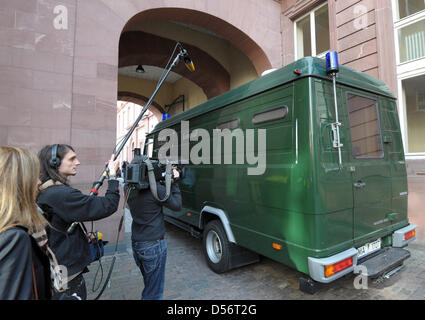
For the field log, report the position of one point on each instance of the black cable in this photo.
(97, 271)
(116, 246)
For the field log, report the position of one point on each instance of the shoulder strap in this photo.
(34, 282)
(40, 271)
(47, 184)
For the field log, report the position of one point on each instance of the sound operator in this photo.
(65, 206)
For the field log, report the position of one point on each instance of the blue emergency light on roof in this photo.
(166, 116)
(332, 65)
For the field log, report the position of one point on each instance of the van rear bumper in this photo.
(395, 257)
(398, 236)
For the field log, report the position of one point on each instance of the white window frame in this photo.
(312, 32)
(406, 70)
(417, 104)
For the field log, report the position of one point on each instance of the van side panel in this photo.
(394, 146)
(275, 207)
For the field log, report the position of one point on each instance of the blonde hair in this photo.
(19, 172)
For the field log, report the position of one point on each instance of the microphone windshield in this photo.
(187, 61)
(189, 64)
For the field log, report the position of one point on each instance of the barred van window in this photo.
(232, 124)
(270, 115)
(364, 125)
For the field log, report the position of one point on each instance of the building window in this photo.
(409, 32)
(411, 41)
(406, 8)
(409, 23)
(414, 99)
(312, 33)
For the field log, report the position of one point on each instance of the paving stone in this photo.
(188, 277)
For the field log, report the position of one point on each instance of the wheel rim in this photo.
(214, 247)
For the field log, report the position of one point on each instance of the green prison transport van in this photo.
(333, 193)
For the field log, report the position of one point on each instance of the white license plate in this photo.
(368, 248)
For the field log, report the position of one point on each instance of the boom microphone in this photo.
(189, 64)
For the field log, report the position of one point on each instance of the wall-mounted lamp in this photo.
(140, 69)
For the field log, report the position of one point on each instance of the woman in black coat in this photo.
(24, 267)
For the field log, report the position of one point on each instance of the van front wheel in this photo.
(216, 247)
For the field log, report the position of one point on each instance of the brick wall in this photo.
(356, 35)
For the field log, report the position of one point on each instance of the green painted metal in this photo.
(303, 201)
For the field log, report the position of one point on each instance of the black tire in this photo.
(216, 247)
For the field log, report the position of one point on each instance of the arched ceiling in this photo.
(138, 47)
(209, 22)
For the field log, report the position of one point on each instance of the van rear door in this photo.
(370, 168)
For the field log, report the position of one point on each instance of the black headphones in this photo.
(55, 161)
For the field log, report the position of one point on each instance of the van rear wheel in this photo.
(216, 247)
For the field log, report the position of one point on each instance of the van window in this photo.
(148, 149)
(364, 126)
(232, 124)
(270, 115)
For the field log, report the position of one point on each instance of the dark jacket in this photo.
(19, 253)
(65, 205)
(146, 211)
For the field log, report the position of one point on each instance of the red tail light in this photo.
(337, 267)
(409, 234)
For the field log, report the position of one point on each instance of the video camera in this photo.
(137, 171)
(145, 173)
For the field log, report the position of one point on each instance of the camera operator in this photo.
(147, 234)
(65, 205)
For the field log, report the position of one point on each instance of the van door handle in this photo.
(359, 184)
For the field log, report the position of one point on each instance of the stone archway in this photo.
(92, 40)
(216, 24)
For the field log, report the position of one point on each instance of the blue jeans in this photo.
(150, 257)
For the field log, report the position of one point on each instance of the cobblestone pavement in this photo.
(188, 277)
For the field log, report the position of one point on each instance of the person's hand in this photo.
(176, 173)
(76, 296)
(113, 166)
